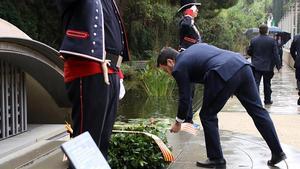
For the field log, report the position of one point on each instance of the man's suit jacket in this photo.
(194, 64)
(85, 29)
(295, 52)
(264, 53)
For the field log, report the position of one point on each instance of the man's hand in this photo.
(175, 127)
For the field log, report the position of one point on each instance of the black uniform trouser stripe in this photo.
(81, 107)
(94, 107)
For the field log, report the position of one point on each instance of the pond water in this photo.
(136, 104)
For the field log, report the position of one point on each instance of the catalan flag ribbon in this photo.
(163, 148)
(167, 154)
(188, 127)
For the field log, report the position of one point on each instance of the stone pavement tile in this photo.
(244, 151)
(240, 151)
(187, 149)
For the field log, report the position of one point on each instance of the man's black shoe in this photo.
(276, 159)
(218, 163)
(298, 102)
(268, 102)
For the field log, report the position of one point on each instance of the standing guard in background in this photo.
(189, 35)
(93, 34)
(188, 31)
(295, 52)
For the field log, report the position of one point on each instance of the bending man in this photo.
(223, 74)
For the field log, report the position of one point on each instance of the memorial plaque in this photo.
(83, 153)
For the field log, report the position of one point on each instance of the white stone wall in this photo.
(9, 30)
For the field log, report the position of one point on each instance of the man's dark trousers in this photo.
(216, 94)
(267, 76)
(94, 103)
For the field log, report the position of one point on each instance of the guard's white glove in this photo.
(122, 90)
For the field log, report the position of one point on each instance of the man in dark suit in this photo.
(280, 46)
(223, 74)
(93, 34)
(295, 52)
(264, 56)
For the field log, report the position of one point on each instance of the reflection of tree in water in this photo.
(160, 106)
(137, 105)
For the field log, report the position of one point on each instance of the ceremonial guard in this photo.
(188, 31)
(189, 35)
(93, 47)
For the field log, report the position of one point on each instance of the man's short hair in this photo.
(263, 29)
(165, 54)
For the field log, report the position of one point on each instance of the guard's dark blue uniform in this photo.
(264, 56)
(188, 32)
(93, 31)
(223, 74)
(86, 24)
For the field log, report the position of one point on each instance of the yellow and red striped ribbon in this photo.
(167, 154)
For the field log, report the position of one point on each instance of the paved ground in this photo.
(284, 111)
(241, 142)
(242, 146)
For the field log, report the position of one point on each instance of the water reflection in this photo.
(135, 104)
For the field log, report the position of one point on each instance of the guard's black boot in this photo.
(216, 163)
(298, 102)
(276, 158)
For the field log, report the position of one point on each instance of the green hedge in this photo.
(132, 151)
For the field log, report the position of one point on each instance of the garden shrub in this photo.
(130, 151)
